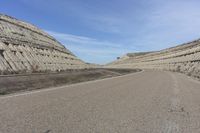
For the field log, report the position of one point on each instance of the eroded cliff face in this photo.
(183, 58)
(25, 48)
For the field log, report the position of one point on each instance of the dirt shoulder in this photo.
(16, 83)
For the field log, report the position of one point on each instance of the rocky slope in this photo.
(25, 48)
(184, 58)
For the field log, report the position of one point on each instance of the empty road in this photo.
(144, 102)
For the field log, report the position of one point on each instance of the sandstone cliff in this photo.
(25, 48)
(184, 58)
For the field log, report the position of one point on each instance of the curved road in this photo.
(145, 102)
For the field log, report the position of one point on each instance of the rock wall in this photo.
(25, 48)
(183, 58)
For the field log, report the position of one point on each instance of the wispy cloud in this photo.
(82, 40)
(90, 49)
(101, 30)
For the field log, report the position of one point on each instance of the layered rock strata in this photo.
(183, 58)
(25, 48)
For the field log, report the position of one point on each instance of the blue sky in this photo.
(98, 31)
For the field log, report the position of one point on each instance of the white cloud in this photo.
(90, 49)
(136, 25)
(82, 40)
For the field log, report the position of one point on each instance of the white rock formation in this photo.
(183, 58)
(25, 48)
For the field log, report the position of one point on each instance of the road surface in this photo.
(144, 102)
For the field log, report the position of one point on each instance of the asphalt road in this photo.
(144, 102)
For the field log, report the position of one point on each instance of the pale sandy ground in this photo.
(143, 102)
